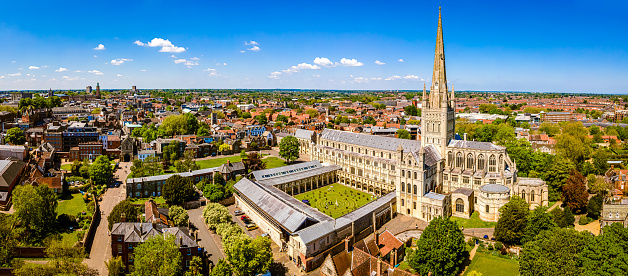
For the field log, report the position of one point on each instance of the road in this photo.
(101, 248)
(205, 238)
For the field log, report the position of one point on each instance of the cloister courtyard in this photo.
(335, 200)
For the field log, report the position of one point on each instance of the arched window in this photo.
(403, 187)
(492, 164)
(459, 205)
(403, 173)
(409, 189)
(415, 177)
(487, 209)
(523, 194)
(470, 161)
(459, 160)
(501, 162)
(481, 162)
(531, 196)
(450, 158)
(415, 192)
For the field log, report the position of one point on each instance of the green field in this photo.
(67, 167)
(492, 265)
(158, 200)
(474, 221)
(325, 199)
(273, 162)
(210, 163)
(71, 204)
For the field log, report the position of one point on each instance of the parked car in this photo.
(243, 218)
(265, 235)
(238, 213)
(251, 226)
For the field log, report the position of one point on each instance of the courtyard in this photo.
(335, 200)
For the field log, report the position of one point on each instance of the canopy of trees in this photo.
(440, 250)
(289, 148)
(178, 189)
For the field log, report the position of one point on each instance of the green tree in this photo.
(178, 189)
(222, 268)
(8, 239)
(538, 221)
(594, 207)
(512, 221)
(403, 134)
(174, 125)
(575, 194)
(215, 214)
(261, 119)
(196, 267)
(440, 249)
(249, 257)
(157, 256)
(218, 178)
(101, 171)
(550, 128)
(411, 110)
(369, 120)
(555, 175)
(75, 167)
(115, 266)
(606, 254)
(243, 154)
(214, 192)
(192, 123)
(289, 148)
(282, 118)
(63, 260)
(35, 208)
(253, 162)
(202, 131)
(312, 112)
(600, 161)
(124, 207)
(15, 136)
(178, 215)
(224, 147)
(553, 252)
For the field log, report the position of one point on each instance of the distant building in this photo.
(10, 173)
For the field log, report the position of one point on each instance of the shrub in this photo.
(471, 243)
(73, 190)
(584, 220)
(498, 246)
(91, 206)
(490, 246)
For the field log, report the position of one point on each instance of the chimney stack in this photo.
(376, 237)
(465, 136)
(379, 266)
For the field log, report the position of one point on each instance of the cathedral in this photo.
(437, 175)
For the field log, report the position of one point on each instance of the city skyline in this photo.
(566, 47)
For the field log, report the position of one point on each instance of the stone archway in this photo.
(127, 158)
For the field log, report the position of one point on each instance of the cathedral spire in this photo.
(424, 96)
(439, 77)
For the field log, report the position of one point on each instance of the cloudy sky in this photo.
(567, 46)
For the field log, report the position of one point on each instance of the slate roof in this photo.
(10, 170)
(276, 172)
(303, 134)
(432, 156)
(495, 188)
(474, 145)
(373, 141)
(434, 195)
(231, 167)
(299, 175)
(530, 181)
(137, 232)
(464, 191)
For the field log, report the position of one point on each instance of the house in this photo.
(155, 214)
(10, 173)
(231, 170)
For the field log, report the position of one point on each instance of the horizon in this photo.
(490, 47)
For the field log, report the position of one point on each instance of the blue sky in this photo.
(566, 46)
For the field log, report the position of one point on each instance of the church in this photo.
(437, 175)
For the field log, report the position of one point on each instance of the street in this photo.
(204, 237)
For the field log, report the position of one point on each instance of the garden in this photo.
(335, 200)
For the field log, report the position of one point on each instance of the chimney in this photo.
(465, 136)
(347, 244)
(376, 237)
(379, 266)
(181, 241)
(141, 228)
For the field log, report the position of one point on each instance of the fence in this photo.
(88, 238)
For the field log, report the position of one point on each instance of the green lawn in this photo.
(70, 238)
(492, 265)
(158, 200)
(210, 163)
(71, 204)
(67, 167)
(405, 266)
(474, 221)
(324, 199)
(273, 162)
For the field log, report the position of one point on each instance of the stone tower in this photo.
(438, 118)
(98, 90)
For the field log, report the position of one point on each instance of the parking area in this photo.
(238, 219)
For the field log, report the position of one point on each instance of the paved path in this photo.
(557, 204)
(101, 247)
(205, 236)
(471, 255)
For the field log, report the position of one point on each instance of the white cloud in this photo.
(53, 80)
(322, 61)
(143, 70)
(194, 58)
(14, 74)
(33, 67)
(70, 78)
(188, 63)
(274, 75)
(96, 72)
(166, 45)
(252, 42)
(100, 47)
(316, 76)
(242, 51)
(173, 56)
(78, 71)
(13, 61)
(379, 62)
(61, 69)
(412, 77)
(118, 75)
(2, 77)
(212, 72)
(299, 67)
(350, 62)
(400, 60)
(254, 49)
(221, 64)
(120, 61)
(395, 77)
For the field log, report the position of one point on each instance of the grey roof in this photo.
(276, 172)
(495, 188)
(530, 181)
(434, 195)
(10, 170)
(303, 134)
(474, 145)
(432, 156)
(372, 141)
(464, 191)
(141, 231)
(231, 167)
(278, 180)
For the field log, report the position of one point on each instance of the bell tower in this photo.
(438, 108)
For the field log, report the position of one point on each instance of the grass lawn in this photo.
(210, 163)
(492, 265)
(273, 162)
(404, 265)
(158, 200)
(71, 204)
(474, 221)
(70, 238)
(348, 199)
(67, 167)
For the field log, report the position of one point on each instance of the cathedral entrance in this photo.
(127, 158)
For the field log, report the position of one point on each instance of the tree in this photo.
(224, 147)
(214, 214)
(157, 256)
(243, 154)
(575, 193)
(403, 134)
(178, 215)
(253, 162)
(222, 268)
(553, 252)
(538, 221)
(512, 221)
(606, 254)
(63, 260)
(192, 123)
(312, 112)
(115, 266)
(282, 118)
(594, 207)
(124, 207)
(101, 171)
(600, 160)
(550, 128)
(8, 239)
(249, 257)
(178, 189)
(170, 152)
(411, 110)
(369, 120)
(75, 167)
(563, 218)
(555, 176)
(188, 163)
(196, 267)
(440, 249)
(214, 192)
(174, 125)
(289, 148)
(202, 131)
(35, 208)
(15, 136)
(261, 119)
(219, 179)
